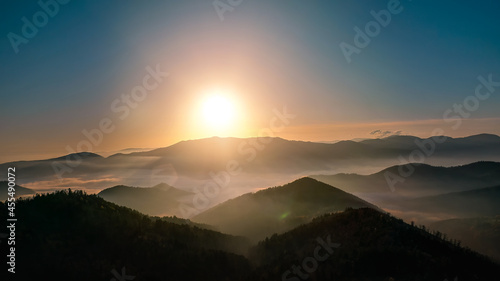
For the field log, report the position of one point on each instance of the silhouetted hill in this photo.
(177, 220)
(480, 139)
(425, 180)
(72, 165)
(79, 155)
(481, 234)
(19, 191)
(265, 154)
(392, 142)
(409, 142)
(278, 209)
(373, 148)
(75, 236)
(160, 200)
(364, 244)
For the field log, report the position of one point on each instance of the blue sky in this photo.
(269, 53)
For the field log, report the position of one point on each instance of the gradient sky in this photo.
(265, 55)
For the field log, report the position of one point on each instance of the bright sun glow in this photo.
(218, 111)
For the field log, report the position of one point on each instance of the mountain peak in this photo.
(163, 186)
(278, 209)
(79, 155)
(305, 180)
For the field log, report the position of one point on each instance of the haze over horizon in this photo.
(382, 134)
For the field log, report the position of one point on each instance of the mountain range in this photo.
(430, 193)
(472, 203)
(424, 180)
(259, 161)
(452, 195)
(76, 236)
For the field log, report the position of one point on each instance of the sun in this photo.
(218, 111)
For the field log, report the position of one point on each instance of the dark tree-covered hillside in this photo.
(73, 236)
(373, 246)
(76, 236)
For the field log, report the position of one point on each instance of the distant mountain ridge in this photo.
(408, 141)
(192, 161)
(426, 180)
(390, 142)
(471, 203)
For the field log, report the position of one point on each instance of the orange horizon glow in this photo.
(311, 132)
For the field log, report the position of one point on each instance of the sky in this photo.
(143, 74)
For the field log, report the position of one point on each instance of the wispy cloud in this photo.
(383, 134)
(419, 128)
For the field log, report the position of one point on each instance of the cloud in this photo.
(383, 134)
